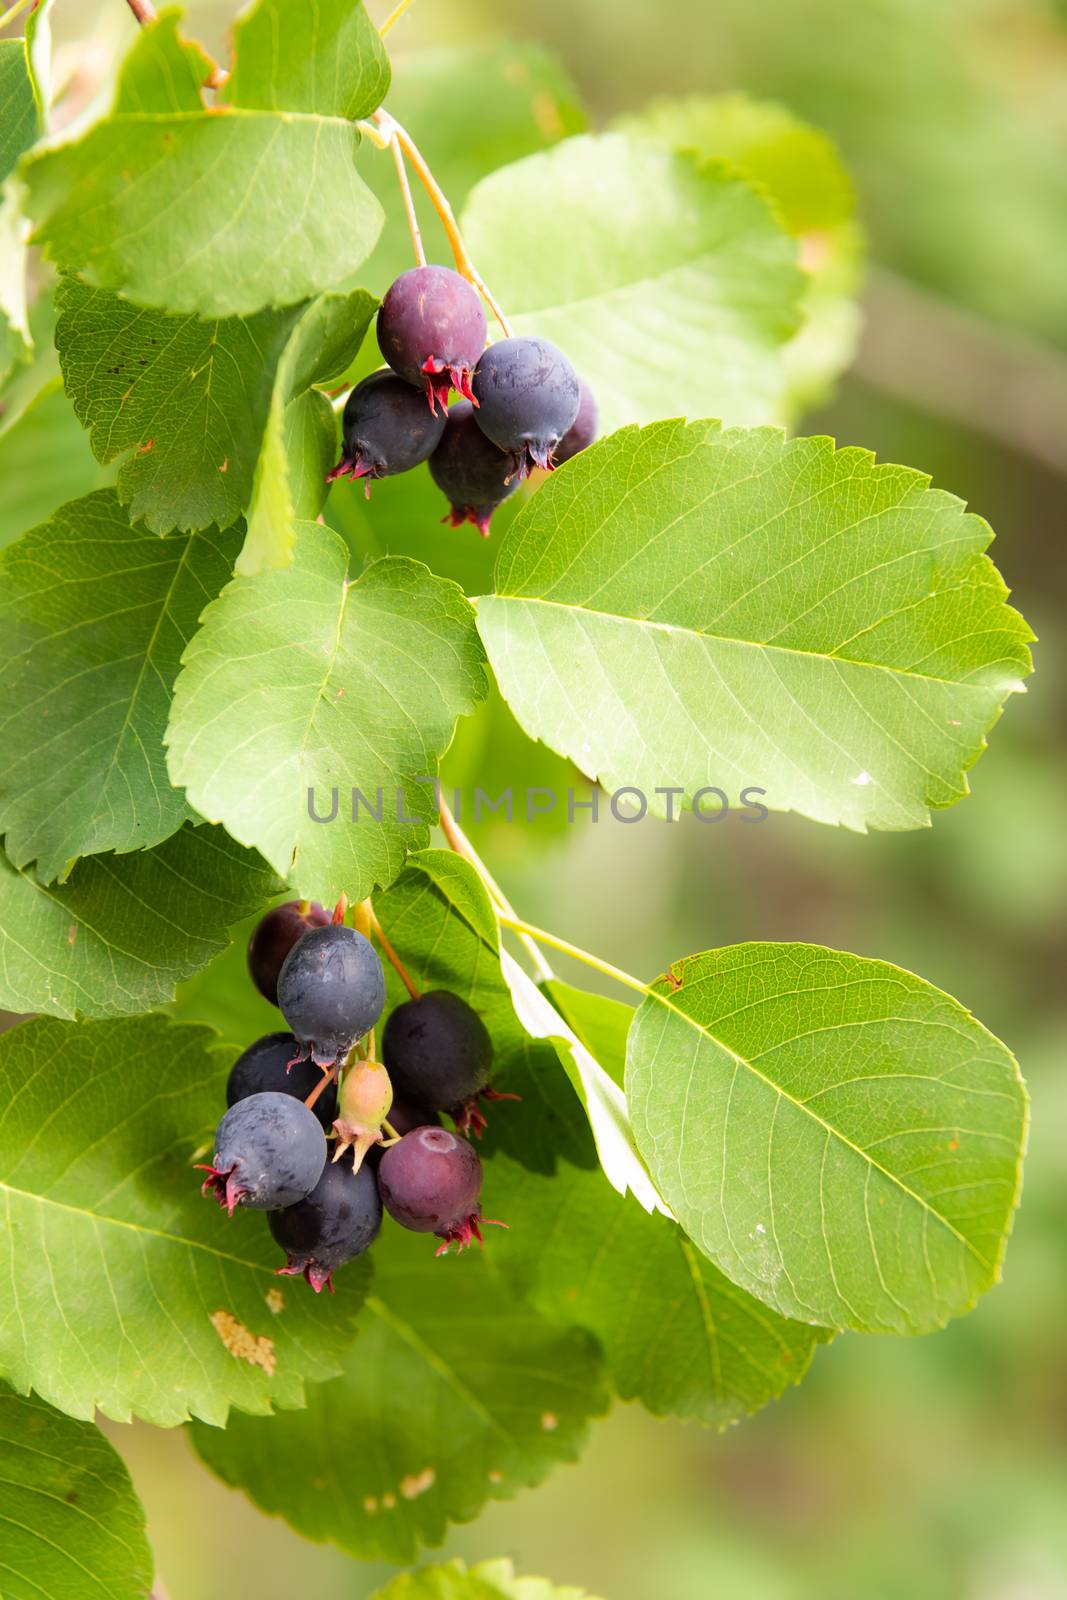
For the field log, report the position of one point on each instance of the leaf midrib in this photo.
(133, 1227)
(827, 1127)
(732, 639)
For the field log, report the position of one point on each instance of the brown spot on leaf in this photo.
(143, 449)
(275, 1301)
(417, 1483)
(243, 1345)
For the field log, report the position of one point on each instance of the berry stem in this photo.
(320, 1088)
(554, 942)
(390, 954)
(394, 17)
(396, 133)
(459, 842)
(409, 203)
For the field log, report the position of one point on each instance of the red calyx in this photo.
(468, 1115)
(478, 516)
(463, 1234)
(310, 1271)
(354, 467)
(223, 1185)
(438, 384)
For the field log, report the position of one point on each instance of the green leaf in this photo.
(685, 607)
(799, 168)
(182, 403)
(677, 1335)
(669, 283)
(128, 1292)
(15, 342)
(72, 1527)
(308, 680)
(21, 119)
(300, 442)
(489, 1580)
(326, 59)
(261, 208)
(94, 616)
(45, 458)
(453, 1394)
(123, 931)
(839, 1137)
(18, 107)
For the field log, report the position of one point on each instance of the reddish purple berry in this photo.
(386, 429)
(275, 936)
(527, 395)
(471, 470)
(583, 430)
(430, 1182)
(431, 330)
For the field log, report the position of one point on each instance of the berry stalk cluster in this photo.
(324, 1160)
(521, 403)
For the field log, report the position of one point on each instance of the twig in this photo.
(13, 11)
(397, 133)
(394, 17)
(390, 954)
(463, 847)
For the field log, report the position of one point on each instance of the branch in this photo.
(1010, 388)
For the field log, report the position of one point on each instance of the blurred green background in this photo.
(929, 1468)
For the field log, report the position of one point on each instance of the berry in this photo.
(386, 429)
(583, 430)
(430, 1183)
(473, 472)
(269, 1152)
(365, 1098)
(437, 1050)
(527, 394)
(331, 990)
(431, 330)
(406, 1115)
(264, 1068)
(275, 936)
(335, 1223)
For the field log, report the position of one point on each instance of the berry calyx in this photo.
(474, 473)
(331, 991)
(270, 1151)
(430, 1183)
(332, 1225)
(275, 936)
(264, 1068)
(583, 430)
(365, 1100)
(437, 1050)
(386, 428)
(527, 394)
(431, 330)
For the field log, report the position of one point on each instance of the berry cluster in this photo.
(523, 405)
(272, 1148)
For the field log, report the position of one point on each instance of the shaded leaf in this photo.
(838, 1136)
(457, 1395)
(94, 616)
(489, 1580)
(683, 607)
(123, 931)
(72, 1525)
(128, 1291)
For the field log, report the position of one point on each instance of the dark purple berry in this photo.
(264, 1069)
(334, 1224)
(270, 1151)
(471, 470)
(331, 990)
(431, 330)
(275, 936)
(406, 1115)
(430, 1183)
(386, 428)
(437, 1050)
(527, 394)
(583, 430)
